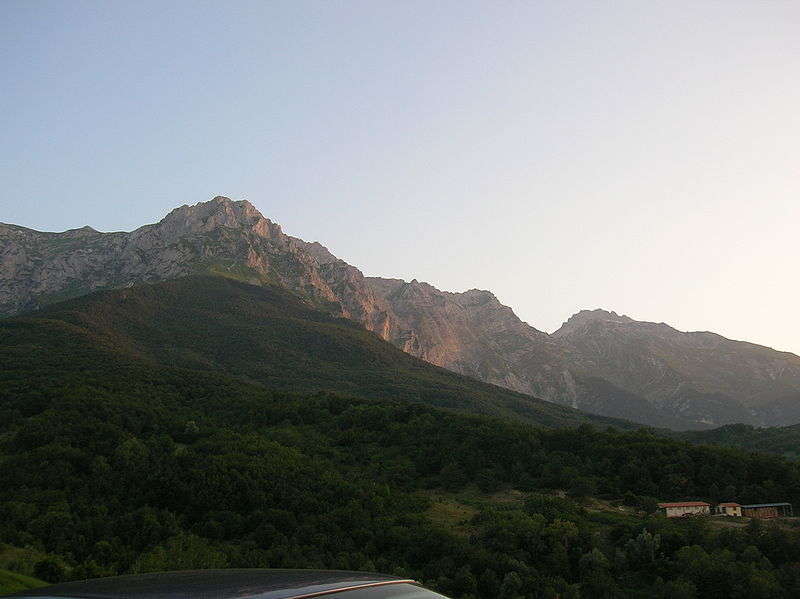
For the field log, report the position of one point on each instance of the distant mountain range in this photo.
(597, 361)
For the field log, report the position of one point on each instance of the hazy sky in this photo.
(638, 156)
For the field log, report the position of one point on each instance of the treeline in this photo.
(126, 469)
(781, 440)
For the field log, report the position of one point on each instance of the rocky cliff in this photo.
(598, 361)
(221, 236)
(474, 334)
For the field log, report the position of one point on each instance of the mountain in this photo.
(597, 361)
(257, 334)
(218, 236)
(474, 334)
(698, 376)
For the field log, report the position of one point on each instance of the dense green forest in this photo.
(782, 440)
(182, 469)
(116, 461)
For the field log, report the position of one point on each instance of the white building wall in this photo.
(676, 512)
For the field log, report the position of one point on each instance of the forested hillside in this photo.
(261, 334)
(117, 458)
(779, 440)
(178, 469)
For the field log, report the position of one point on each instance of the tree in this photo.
(184, 552)
(678, 588)
(582, 487)
(644, 548)
(49, 570)
(453, 477)
(595, 578)
(511, 587)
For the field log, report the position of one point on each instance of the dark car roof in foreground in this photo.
(215, 584)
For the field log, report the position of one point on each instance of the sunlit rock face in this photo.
(474, 334)
(222, 236)
(597, 361)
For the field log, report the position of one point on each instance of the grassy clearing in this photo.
(19, 559)
(449, 513)
(11, 582)
(455, 511)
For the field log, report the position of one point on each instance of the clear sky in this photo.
(638, 156)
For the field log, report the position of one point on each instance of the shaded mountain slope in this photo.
(697, 376)
(261, 334)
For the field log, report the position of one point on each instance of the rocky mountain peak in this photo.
(584, 318)
(478, 297)
(216, 213)
(85, 231)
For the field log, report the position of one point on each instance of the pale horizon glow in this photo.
(641, 157)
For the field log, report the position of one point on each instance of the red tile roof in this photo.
(729, 504)
(684, 504)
